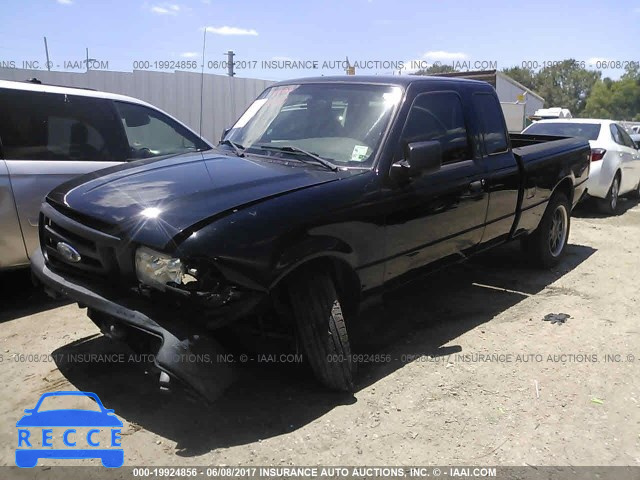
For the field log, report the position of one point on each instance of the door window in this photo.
(615, 134)
(626, 139)
(439, 116)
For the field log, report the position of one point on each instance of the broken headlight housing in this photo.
(156, 269)
(194, 279)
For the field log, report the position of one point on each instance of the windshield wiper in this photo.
(238, 149)
(294, 149)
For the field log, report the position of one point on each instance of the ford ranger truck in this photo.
(324, 192)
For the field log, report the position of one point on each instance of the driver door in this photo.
(439, 215)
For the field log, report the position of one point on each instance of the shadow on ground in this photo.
(589, 208)
(268, 400)
(19, 297)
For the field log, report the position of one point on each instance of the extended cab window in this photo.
(48, 126)
(439, 116)
(151, 133)
(493, 130)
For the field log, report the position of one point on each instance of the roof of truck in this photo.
(400, 80)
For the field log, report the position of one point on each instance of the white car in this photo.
(615, 161)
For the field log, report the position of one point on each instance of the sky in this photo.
(378, 36)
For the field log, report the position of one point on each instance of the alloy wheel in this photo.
(558, 230)
(615, 192)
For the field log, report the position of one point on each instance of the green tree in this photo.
(599, 102)
(616, 99)
(566, 84)
(632, 72)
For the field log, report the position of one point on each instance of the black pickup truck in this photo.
(325, 190)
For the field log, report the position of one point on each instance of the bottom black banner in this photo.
(321, 472)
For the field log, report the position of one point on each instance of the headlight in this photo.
(157, 269)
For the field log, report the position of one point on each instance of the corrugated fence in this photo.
(178, 93)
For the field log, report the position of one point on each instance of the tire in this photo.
(609, 205)
(322, 329)
(547, 244)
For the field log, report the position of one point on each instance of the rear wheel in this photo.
(609, 204)
(547, 243)
(322, 329)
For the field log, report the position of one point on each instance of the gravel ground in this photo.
(475, 376)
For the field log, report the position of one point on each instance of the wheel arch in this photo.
(345, 277)
(565, 186)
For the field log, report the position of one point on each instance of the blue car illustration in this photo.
(34, 420)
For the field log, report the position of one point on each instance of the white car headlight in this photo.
(156, 269)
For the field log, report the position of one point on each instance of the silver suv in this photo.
(49, 134)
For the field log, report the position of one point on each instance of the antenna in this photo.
(204, 44)
(46, 51)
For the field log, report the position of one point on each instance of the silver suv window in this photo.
(151, 134)
(47, 126)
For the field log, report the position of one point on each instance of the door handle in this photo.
(477, 186)
(475, 190)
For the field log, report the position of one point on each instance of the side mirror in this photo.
(419, 158)
(224, 133)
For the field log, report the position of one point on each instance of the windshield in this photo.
(343, 123)
(590, 131)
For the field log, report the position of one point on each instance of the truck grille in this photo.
(74, 247)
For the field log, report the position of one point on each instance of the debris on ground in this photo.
(558, 318)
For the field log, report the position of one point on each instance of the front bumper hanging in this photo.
(186, 352)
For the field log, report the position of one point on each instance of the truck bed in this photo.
(547, 157)
(524, 139)
(530, 148)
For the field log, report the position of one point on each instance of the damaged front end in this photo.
(155, 303)
(195, 286)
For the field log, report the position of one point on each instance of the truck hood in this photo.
(152, 201)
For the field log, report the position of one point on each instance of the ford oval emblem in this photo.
(69, 253)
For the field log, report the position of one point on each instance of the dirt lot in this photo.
(546, 397)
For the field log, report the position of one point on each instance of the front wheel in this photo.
(547, 243)
(322, 328)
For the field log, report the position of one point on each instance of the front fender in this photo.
(309, 249)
